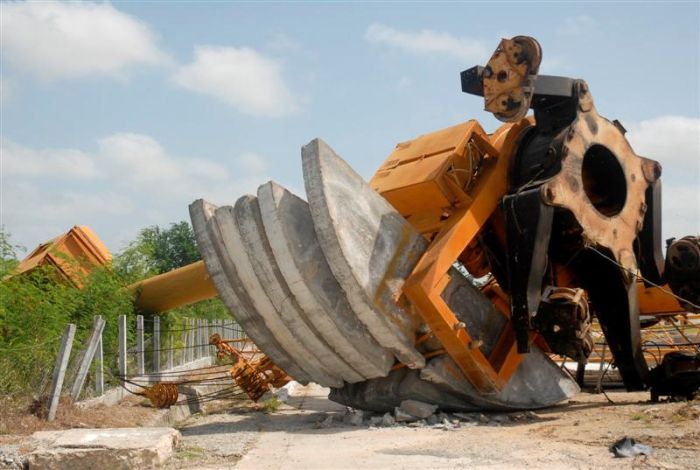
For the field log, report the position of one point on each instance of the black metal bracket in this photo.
(528, 230)
(651, 259)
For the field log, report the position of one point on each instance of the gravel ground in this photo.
(309, 432)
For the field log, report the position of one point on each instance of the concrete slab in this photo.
(300, 324)
(76, 449)
(370, 248)
(290, 231)
(235, 247)
(227, 281)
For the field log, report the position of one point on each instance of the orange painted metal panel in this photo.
(177, 288)
(73, 253)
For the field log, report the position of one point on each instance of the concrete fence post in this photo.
(140, 362)
(84, 366)
(122, 345)
(99, 369)
(156, 344)
(59, 370)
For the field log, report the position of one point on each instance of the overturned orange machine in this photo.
(469, 257)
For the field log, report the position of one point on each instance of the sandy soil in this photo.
(577, 434)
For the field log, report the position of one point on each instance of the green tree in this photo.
(8, 253)
(157, 250)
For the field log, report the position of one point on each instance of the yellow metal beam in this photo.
(183, 286)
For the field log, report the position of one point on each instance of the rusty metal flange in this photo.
(602, 182)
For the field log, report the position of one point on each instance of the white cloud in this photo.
(129, 182)
(576, 25)
(253, 163)
(241, 77)
(64, 40)
(63, 163)
(137, 158)
(429, 42)
(6, 90)
(674, 141)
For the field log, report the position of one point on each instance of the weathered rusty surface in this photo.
(253, 372)
(161, 395)
(602, 182)
(509, 78)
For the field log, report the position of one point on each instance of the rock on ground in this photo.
(77, 449)
(417, 408)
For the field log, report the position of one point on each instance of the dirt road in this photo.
(300, 435)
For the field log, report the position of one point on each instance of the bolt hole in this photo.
(502, 76)
(604, 180)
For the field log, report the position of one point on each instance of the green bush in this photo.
(36, 307)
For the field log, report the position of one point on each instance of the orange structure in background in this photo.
(73, 253)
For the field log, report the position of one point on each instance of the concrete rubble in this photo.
(424, 415)
(417, 408)
(109, 448)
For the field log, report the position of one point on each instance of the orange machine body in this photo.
(73, 254)
(448, 185)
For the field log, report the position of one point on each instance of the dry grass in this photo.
(17, 418)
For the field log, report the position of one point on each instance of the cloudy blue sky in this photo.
(117, 115)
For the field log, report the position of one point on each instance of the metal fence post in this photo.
(140, 363)
(211, 329)
(191, 341)
(197, 338)
(202, 342)
(84, 367)
(59, 370)
(183, 351)
(171, 361)
(122, 346)
(156, 344)
(205, 338)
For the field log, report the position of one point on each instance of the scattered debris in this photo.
(628, 447)
(354, 417)
(402, 416)
(417, 408)
(500, 419)
(388, 420)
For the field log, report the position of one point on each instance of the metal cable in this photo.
(678, 297)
